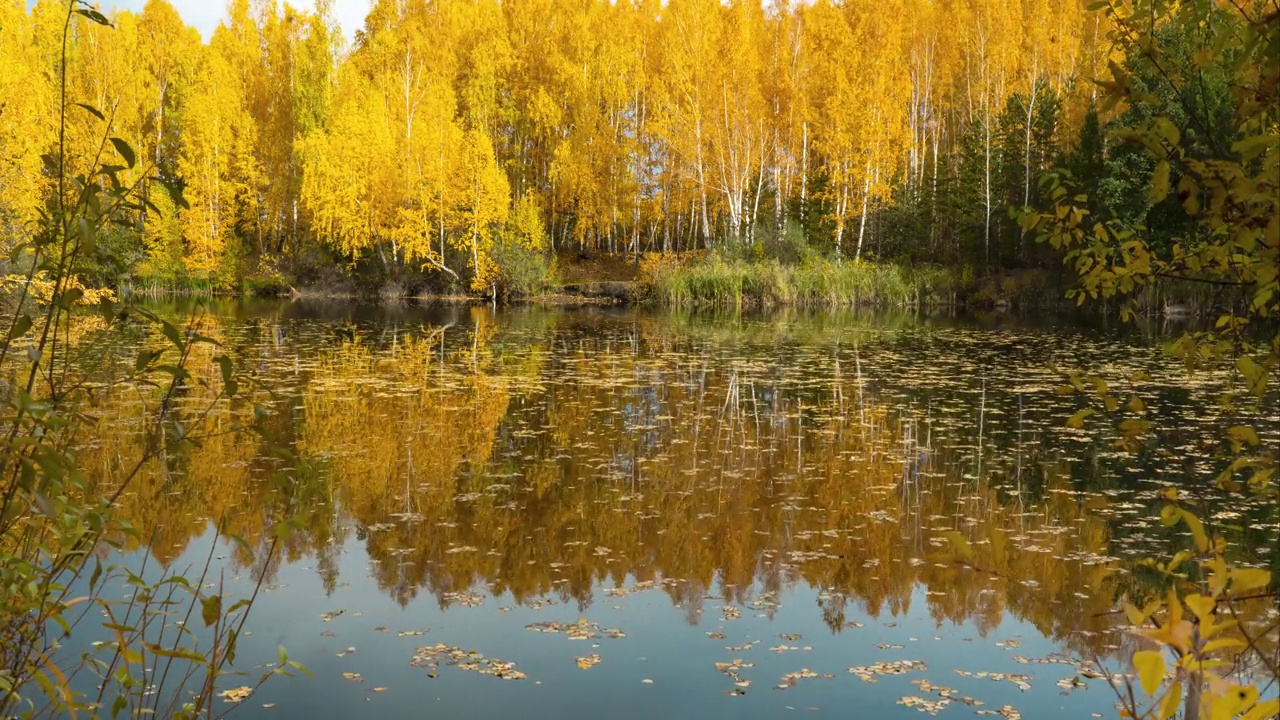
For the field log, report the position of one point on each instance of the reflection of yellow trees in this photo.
(173, 498)
(226, 471)
(552, 461)
(661, 463)
(397, 427)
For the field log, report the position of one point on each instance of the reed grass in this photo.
(155, 288)
(726, 282)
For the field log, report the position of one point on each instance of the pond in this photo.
(636, 514)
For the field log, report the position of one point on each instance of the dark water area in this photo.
(632, 513)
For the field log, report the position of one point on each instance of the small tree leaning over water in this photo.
(1206, 76)
(164, 648)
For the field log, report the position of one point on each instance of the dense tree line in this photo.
(457, 142)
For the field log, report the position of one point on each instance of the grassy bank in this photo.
(717, 281)
(699, 280)
(728, 282)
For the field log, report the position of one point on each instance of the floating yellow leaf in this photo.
(235, 695)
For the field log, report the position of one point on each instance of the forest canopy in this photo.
(455, 141)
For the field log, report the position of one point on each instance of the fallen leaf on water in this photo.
(933, 707)
(1022, 681)
(588, 661)
(583, 629)
(353, 676)
(789, 680)
(737, 664)
(868, 673)
(235, 695)
(1007, 712)
(467, 598)
(469, 660)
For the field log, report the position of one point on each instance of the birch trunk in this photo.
(804, 167)
(702, 182)
(862, 221)
(1026, 167)
(986, 227)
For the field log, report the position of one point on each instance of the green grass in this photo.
(160, 287)
(718, 281)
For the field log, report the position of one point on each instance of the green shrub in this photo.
(522, 271)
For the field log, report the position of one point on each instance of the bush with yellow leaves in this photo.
(40, 289)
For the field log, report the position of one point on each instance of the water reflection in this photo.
(722, 461)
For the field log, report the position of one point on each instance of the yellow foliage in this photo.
(41, 289)
(688, 122)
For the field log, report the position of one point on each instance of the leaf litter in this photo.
(469, 660)
(235, 695)
(583, 629)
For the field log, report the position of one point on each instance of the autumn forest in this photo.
(845, 431)
(459, 145)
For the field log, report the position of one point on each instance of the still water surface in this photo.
(631, 514)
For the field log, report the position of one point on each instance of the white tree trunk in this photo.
(862, 221)
(1026, 168)
(986, 227)
(804, 167)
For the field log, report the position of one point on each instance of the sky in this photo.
(205, 15)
